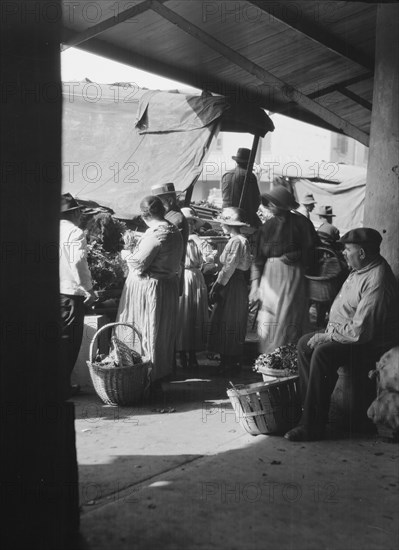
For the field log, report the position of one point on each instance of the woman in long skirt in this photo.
(193, 303)
(284, 250)
(150, 297)
(228, 324)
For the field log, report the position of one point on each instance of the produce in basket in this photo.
(283, 360)
(120, 356)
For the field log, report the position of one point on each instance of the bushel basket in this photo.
(324, 286)
(268, 408)
(120, 385)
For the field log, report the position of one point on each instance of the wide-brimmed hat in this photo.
(308, 199)
(242, 155)
(190, 214)
(325, 211)
(362, 235)
(164, 189)
(231, 215)
(68, 203)
(281, 197)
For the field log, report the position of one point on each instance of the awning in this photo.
(120, 140)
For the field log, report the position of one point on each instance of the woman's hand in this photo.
(215, 294)
(254, 295)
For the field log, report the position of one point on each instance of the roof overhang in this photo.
(309, 60)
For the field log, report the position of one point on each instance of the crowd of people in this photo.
(166, 297)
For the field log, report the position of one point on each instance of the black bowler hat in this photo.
(362, 235)
(69, 203)
(242, 155)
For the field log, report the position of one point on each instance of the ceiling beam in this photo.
(259, 72)
(337, 85)
(356, 98)
(80, 37)
(316, 34)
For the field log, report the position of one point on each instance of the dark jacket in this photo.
(232, 184)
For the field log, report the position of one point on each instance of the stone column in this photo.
(382, 189)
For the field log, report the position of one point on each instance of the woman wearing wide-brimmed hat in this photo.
(229, 316)
(284, 250)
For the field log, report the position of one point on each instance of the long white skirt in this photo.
(284, 310)
(152, 306)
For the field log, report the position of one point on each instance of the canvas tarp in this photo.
(119, 140)
(346, 196)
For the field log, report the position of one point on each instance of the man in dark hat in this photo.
(232, 185)
(328, 233)
(363, 324)
(76, 289)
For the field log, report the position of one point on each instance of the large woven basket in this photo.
(268, 408)
(324, 286)
(120, 385)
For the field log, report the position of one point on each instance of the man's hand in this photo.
(90, 298)
(319, 338)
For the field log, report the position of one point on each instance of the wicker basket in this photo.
(119, 385)
(268, 408)
(324, 286)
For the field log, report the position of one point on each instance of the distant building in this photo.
(294, 149)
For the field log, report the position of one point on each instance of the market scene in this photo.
(214, 349)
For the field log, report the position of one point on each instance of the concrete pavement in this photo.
(181, 473)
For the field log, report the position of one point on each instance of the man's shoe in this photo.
(303, 433)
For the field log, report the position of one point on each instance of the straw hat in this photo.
(308, 199)
(164, 189)
(190, 214)
(232, 216)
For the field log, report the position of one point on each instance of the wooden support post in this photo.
(249, 169)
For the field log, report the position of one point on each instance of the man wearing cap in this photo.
(232, 184)
(328, 233)
(307, 205)
(76, 289)
(173, 214)
(363, 324)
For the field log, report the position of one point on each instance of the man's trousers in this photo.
(318, 374)
(72, 318)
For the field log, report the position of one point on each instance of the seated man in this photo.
(362, 325)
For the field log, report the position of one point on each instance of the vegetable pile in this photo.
(282, 360)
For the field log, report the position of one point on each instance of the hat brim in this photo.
(158, 194)
(279, 204)
(231, 222)
(198, 222)
(240, 159)
(73, 208)
(326, 215)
